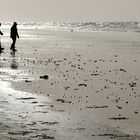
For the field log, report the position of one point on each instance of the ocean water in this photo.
(79, 26)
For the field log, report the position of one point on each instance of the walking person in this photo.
(14, 35)
(0, 40)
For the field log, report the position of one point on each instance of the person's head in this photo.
(15, 24)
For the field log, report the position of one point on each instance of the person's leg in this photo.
(13, 44)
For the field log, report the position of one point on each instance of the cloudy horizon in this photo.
(70, 10)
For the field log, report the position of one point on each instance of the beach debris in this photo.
(42, 105)
(51, 105)
(105, 106)
(27, 81)
(27, 98)
(112, 135)
(50, 123)
(34, 102)
(82, 85)
(132, 84)
(14, 66)
(32, 123)
(44, 77)
(136, 112)
(61, 110)
(41, 112)
(118, 118)
(95, 74)
(62, 101)
(20, 133)
(119, 107)
(43, 136)
(123, 70)
(66, 88)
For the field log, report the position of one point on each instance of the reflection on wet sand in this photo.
(1, 62)
(19, 110)
(14, 63)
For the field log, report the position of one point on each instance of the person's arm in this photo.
(1, 33)
(17, 33)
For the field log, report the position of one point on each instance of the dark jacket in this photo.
(14, 32)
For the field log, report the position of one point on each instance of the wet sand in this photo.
(74, 86)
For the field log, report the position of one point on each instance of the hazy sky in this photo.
(70, 10)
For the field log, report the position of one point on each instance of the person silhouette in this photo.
(0, 40)
(14, 35)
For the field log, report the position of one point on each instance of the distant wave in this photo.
(79, 26)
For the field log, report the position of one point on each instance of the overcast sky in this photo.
(69, 10)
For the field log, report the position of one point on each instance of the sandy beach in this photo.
(66, 85)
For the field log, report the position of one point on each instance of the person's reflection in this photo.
(14, 63)
(1, 61)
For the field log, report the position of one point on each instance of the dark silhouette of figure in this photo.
(0, 40)
(14, 35)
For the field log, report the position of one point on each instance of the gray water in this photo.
(79, 26)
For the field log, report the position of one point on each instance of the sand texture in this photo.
(70, 86)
